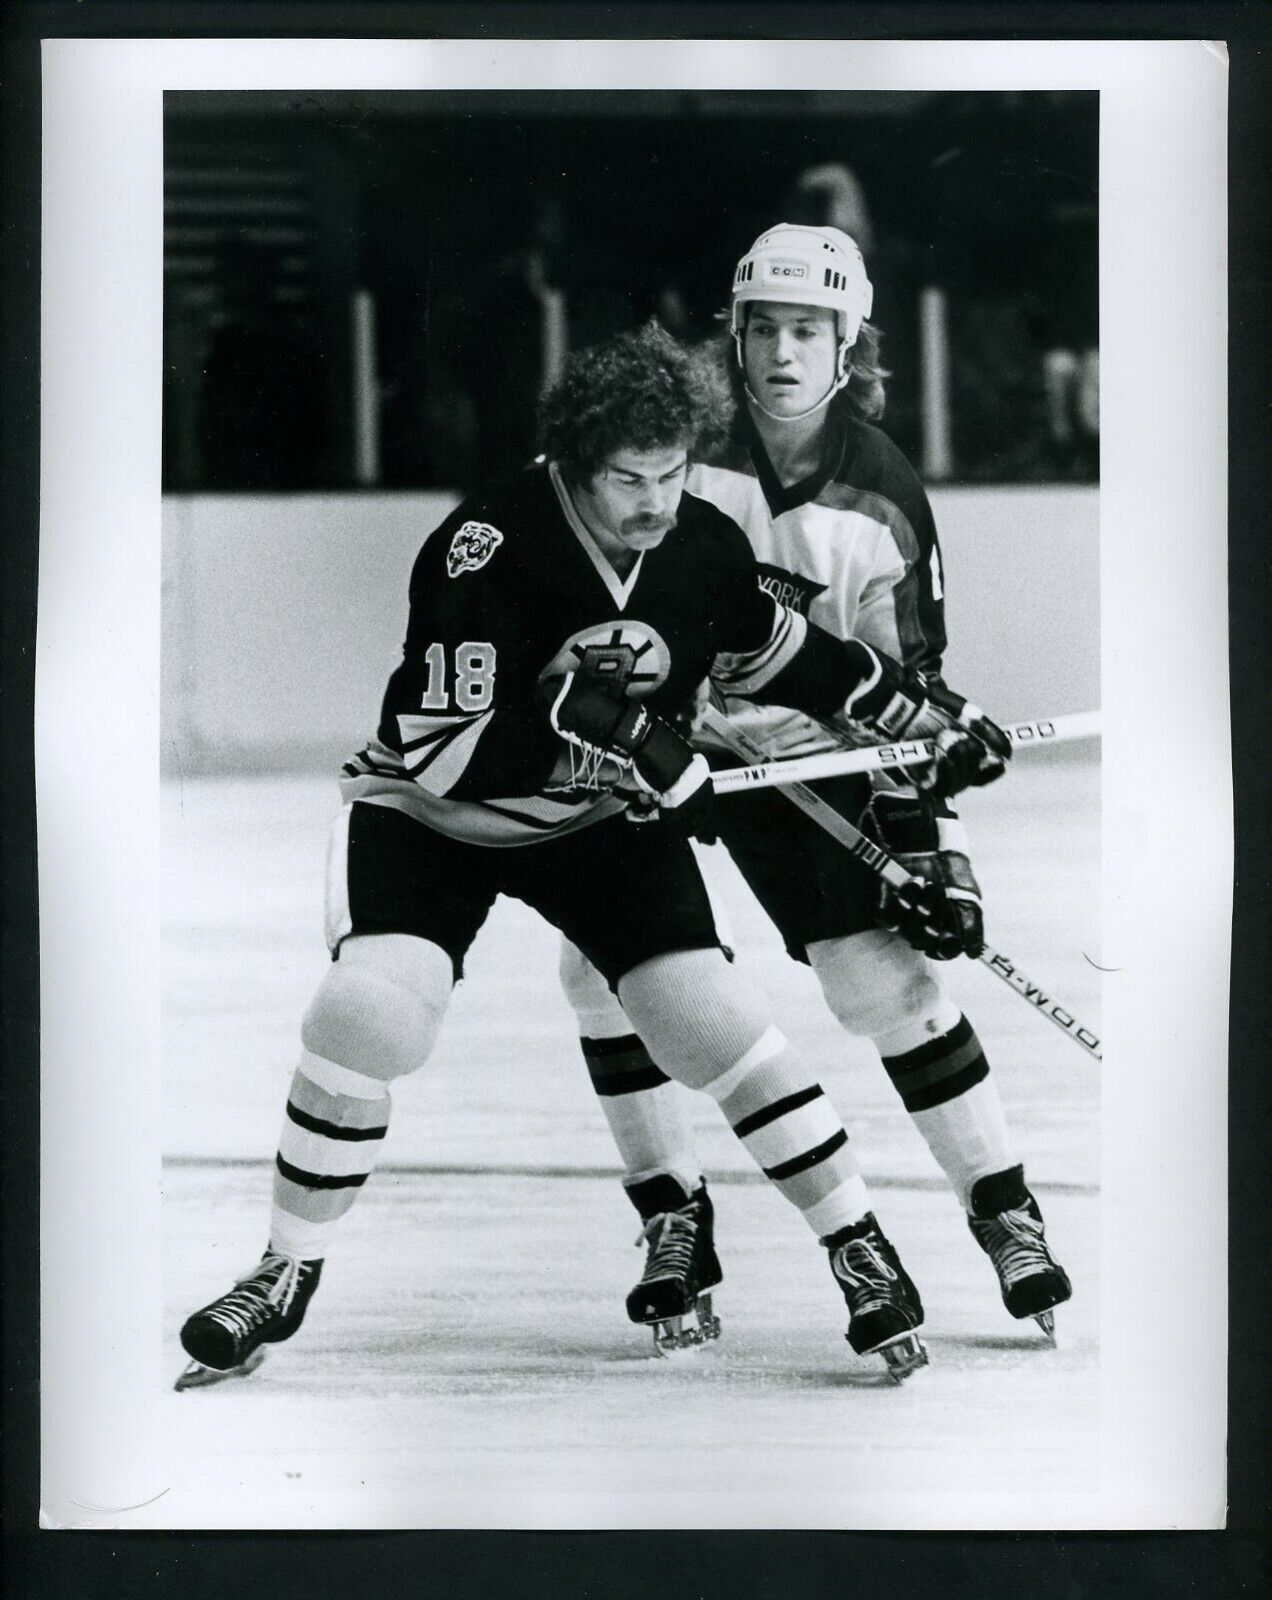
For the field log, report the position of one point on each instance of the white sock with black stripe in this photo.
(645, 1110)
(793, 1133)
(372, 1020)
(333, 1130)
(701, 1023)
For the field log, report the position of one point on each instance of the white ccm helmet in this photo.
(805, 266)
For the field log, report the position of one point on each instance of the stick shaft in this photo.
(844, 763)
(879, 861)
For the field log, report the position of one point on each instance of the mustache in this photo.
(649, 524)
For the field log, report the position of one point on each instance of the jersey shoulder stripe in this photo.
(748, 672)
(873, 467)
(878, 508)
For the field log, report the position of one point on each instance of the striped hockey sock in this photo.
(334, 1127)
(706, 1029)
(793, 1133)
(644, 1109)
(944, 1084)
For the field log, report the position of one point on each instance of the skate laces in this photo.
(859, 1265)
(254, 1298)
(670, 1236)
(1015, 1243)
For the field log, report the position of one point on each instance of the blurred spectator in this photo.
(1011, 197)
(1065, 326)
(558, 291)
(828, 195)
(493, 246)
(831, 196)
(1071, 381)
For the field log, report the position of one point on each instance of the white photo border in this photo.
(1166, 803)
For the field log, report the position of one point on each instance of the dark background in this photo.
(448, 208)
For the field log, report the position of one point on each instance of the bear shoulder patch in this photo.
(471, 546)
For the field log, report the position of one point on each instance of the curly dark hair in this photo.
(639, 391)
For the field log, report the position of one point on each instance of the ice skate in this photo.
(224, 1339)
(196, 1376)
(681, 1267)
(884, 1308)
(1007, 1224)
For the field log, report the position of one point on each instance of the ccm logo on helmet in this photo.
(785, 270)
(472, 546)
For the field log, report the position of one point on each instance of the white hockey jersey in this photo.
(853, 548)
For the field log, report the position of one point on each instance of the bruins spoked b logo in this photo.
(631, 656)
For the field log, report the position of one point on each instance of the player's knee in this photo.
(595, 1005)
(378, 1008)
(875, 983)
(695, 1015)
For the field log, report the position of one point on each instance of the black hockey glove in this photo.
(939, 910)
(898, 704)
(666, 776)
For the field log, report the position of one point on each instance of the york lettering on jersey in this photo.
(789, 588)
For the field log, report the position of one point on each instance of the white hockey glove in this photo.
(939, 910)
(898, 704)
(665, 774)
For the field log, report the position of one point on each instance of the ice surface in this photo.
(467, 1360)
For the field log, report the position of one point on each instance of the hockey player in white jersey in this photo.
(843, 533)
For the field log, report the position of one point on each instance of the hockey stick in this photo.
(879, 861)
(843, 763)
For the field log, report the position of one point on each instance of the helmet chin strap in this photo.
(843, 374)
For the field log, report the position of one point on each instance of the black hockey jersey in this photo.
(511, 590)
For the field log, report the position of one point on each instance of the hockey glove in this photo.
(939, 910)
(664, 772)
(898, 704)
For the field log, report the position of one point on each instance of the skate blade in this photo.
(675, 1335)
(903, 1356)
(1046, 1320)
(197, 1376)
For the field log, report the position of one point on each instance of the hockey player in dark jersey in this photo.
(843, 534)
(556, 627)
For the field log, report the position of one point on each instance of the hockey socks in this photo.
(944, 1084)
(792, 1133)
(373, 1019)
(334, 1127)
(705, 1028)
(644, 1109)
